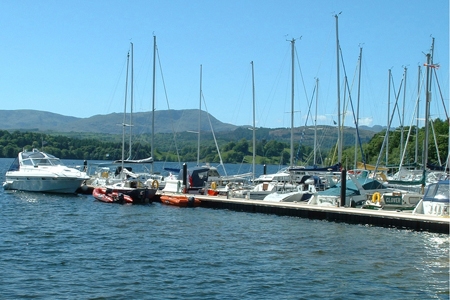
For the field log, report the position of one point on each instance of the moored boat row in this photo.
(38, 171)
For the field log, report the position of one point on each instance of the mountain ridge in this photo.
(27, 119)
(166, 121)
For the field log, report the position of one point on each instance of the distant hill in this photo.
(167, 122)
(375, 128)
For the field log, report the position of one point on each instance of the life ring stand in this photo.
(155, 184)
(376, 197)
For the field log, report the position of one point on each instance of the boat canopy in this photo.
(438, 192)
(199, 175)
(352, 189)
(147, 160)
(333, 168)
(38, 158)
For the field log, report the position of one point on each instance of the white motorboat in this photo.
(436, 201)
(37, 171)
(303, 192)
(280, 182)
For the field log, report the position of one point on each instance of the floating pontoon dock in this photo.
(382, 218)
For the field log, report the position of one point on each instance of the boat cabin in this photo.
(35, 159)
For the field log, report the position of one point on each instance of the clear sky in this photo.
(69, 57)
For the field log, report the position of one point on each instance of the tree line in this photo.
(184, 148)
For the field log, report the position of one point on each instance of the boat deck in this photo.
(382, 218)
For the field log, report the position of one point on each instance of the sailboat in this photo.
(353, 189)
(123, 183)
(306, 180)
(410, 184)
(201, 179)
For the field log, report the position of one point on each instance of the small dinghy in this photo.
(111, 196)
(180, 200)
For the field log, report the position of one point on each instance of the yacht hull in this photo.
(43, 184)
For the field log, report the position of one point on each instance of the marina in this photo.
(291, 166)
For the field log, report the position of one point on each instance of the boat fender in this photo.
(214, 185)
(178, 186)
(376, 197)
(191, 201)
(155, 184)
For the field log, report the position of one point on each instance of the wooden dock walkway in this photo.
(382, 218)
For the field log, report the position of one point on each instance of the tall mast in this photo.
(125, 113)
(403, 114)
(153, 101)
(357, 108)
(292, 105)
(338, 93)
(427, 102)
(254, 129)
(315, 122)
(131, 100)
(388, 117)
(416, 153)
(199, 119)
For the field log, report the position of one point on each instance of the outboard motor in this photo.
(120, 198)
(191, 201)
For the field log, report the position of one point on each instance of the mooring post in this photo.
(343, 185)
(264, 169)
(184, 178)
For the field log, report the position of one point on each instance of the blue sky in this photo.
(69, 57)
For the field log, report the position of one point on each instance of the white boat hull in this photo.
(324, 200)
(64, 185)
(173, 186)
(432, 208)
(440, 209)
(436, 200)
(286, 197)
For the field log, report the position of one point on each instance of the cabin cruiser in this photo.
(37, 171)
(289, 184)
(436, 201)
(308, 187)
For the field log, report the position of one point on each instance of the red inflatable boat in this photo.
(110, 196)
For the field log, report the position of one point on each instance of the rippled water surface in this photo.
(72, 247)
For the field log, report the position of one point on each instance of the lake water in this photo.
(72, 247)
